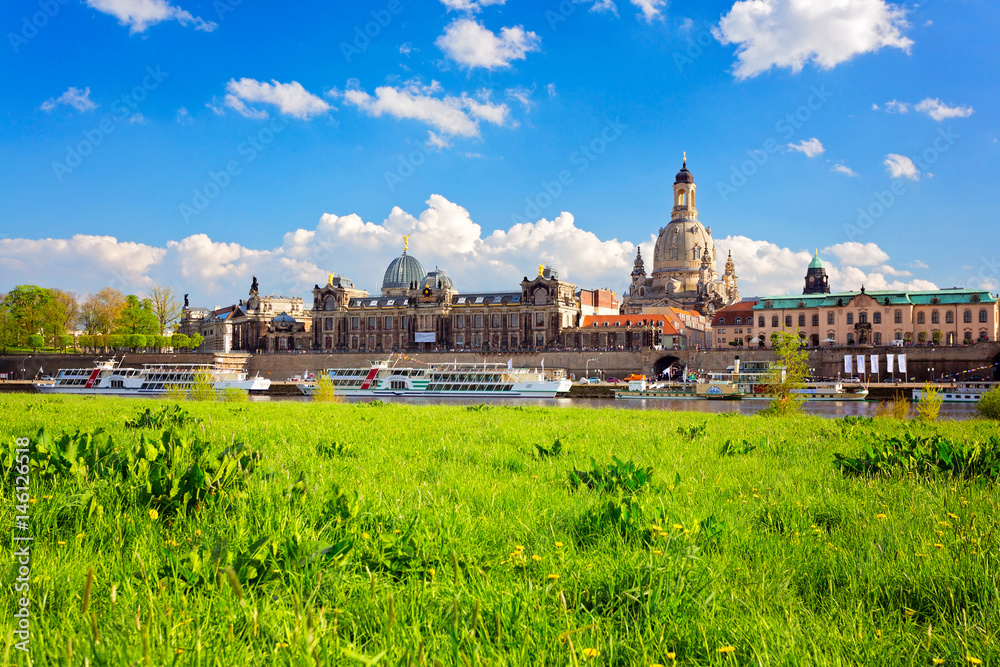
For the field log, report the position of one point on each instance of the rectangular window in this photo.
(898, 317)
(460, 321)
(968, 317)
(371, 323)
(877, 338)
(515, 321)
(982, 316)
(328, 323)
(760, 322)
(877, 318)
(477, 340)
(831, 318)
(355, 324)
(850, 338)
(513, 340)
(935, 317)
(496, 320)
(477, 321)
(921, 318)
(774, 321)
(539, 340)
(404, 323)
(815, 320)
(788, 321)
(459, 339)
(388, 323)
(850, 318)
(802, 320)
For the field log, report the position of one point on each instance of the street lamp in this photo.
(587, 367)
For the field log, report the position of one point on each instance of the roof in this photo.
(885, 297)
(486, 298)
(403, 271)
(816, 262)
(379, 302)
(741, 309)
(601, 321)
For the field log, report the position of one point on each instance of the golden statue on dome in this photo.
(406, 242)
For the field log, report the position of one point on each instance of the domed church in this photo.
(684, 263)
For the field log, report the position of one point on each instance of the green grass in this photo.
(401, 534)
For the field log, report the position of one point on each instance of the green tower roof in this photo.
(817, 263)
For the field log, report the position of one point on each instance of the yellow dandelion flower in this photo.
(657, 552)
(939, 546)
(397, 532)
(366, 536)
(678, 526)
(657, 528)
(944, 523)
(910, 612)
(178, 651)
(671, 656)
(61, 543)
(954, 516)
(197, 533)
(656, 664)
(591, 652)
(536, 558)
(432, 571)
(519, 547)
(663, 534)
(154, 515)
(80, 536)
(880, 516)
(938, 661)
(727, 649)
(34, 500)
(756, 496)
(973, 661)
(553, 576)
(559, 545)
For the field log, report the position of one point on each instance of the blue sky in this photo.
(194, 143)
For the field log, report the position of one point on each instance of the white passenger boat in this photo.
(716, 386)
(444, 381)
(108, 378)
(962, 392)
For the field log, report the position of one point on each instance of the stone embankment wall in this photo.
(279, 367)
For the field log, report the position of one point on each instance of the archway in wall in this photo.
(996, 368)
(663, 363)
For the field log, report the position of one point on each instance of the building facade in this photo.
(684, 262)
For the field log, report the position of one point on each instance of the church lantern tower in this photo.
(817, 282)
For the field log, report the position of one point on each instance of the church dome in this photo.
(682, 245)
(684, 176)
(402, 272)
(816, 263)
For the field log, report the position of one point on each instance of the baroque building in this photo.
(685, 271)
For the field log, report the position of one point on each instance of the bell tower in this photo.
(684, 195)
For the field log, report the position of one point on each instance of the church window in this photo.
(541, 297)
(967, 317)
(802, 320)
(673, 252)
(898, 317)
(877, 318)
(831, 318)
(815, 320)
(935, 317)
(774, 321)
(330, 303)
(949, 317)
(328, 323)
(921, 318)
(850, 318)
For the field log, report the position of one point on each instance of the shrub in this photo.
(930, 402)
(925, 455)
(897, 408)
(201, 387)
(323, 390)
(35, 341)
(988, 406)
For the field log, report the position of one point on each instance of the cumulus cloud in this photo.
(473, 45)
(900, 166)
(650, 9)
(895, 106)
(844, 169)
(858, 254)
(469, 5)
(443, 235)
(810, 147)
(140, 14)
(791, 33)
(940, 111)
(74, 97)
(601, 6)
(457, 116)
(290, 98)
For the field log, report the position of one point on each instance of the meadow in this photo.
(339, 534)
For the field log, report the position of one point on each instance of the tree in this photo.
(179, 341)
(64, 341)
(136, 341)
(115, 341)
(35, 341)
(166, 307)
(99, 311)
(195, 341)
(787, 373)
(26, 305)
(137, 317)
(8, 330)
(70, 309)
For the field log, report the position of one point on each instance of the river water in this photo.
(829, 409)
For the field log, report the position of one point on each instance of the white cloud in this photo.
(919, 264)
(471, 44)
(74, 97)
(940, 111)
(901, 166)
(551, 90)
(436, 141)
(600, 6)
(451, 115)
(184, 116)
(406, 49)
(810, 147)
(469, 5)
(895, 106)
(790, 33)
(140, 14)
(290, 98)
(857, 254)
(650, 9)
(844, 169)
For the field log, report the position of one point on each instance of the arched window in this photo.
(921, 318)
(722, 321)
(330, 303)
(815, 319)
(541, 297)
(697, 252)
(982, 316)
(774, 321)
(739, 320)
(802, 320)
(935, 317)
(967, 317)
(949, 317)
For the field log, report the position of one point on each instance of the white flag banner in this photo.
(902, 363)
(861, 364)
(888, 362)
(847, 364)
(875, 364)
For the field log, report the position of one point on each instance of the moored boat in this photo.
(443, 381)
(961, 392)
(108, 378)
